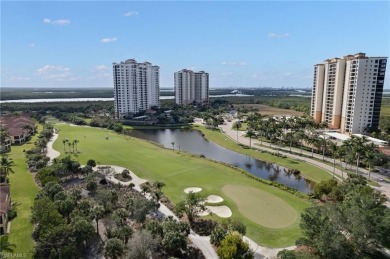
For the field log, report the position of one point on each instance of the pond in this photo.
(193, 142)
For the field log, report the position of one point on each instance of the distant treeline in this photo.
(48, 93)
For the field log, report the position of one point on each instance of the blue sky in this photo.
(242, 44)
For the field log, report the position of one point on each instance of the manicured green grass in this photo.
(178, 171)
(261, 207)
(309, 171)
(23, 192)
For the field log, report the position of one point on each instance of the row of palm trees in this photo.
(68, 143)
(303, 131)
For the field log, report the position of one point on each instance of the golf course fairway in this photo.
(179, 170)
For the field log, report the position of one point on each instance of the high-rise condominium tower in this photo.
(347, 92)
(136, 87)
(191, 86)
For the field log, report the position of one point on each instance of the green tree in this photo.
(191, 205)
(91, 162)
(142, 245)
(232, 246)
(114, 248)
(353, 227)
(237, 126)
(6, 167)
(97, 213)
(369, 159)
(5, 245)
(82, 231)
(250, 133)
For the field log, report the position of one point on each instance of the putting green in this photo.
(261, 207)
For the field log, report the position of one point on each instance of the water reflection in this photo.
(193, 142)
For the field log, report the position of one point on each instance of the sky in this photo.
(239, 43)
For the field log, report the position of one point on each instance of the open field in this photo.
(269, 110)
(23, 192)
(179, 171)
(310, 172)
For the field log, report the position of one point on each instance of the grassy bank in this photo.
(23, 192)
(181, 170)
(307, 170)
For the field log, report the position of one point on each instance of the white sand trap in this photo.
(214, 199)
(220, 211)
(192, 189)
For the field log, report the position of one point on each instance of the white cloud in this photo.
(61, 22)
(49, 68)
(227, 63)
(18, 79)
(100, 68)
(275, 35)
(56, 22)
(131, 13)
(59, 73)
(107, 40)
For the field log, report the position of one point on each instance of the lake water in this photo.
(53, 100)
(193, 142)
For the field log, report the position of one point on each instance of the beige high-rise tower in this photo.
(347, 92)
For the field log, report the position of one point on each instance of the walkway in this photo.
(50, 152)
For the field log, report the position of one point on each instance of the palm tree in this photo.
(237, 126)
(64, 142)
(289, 136)
(250, 133)
(74, 145)
(6, 167)
(324, 143)
(358, 146)
(97, 213)
(347, 145)
(369, 159)
(333, 149)
(5, 245)
(301, 136)
(340, 154)
(173, 144)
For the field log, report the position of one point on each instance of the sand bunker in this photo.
(192, 189)
(220, 211)
(214, 199)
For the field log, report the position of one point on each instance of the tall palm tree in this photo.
(97, 213)
(341, 154)
(333, 149)
(250, 133)
(173, 144)
(237, 126)
(6, 167)
(358, 146)
(301, 136)
(289, 137)
(64, 142)
(369, 159)
(347, 145)
(76, 141)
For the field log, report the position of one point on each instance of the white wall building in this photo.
(347, 92)
(191, 86)
(136, 87)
